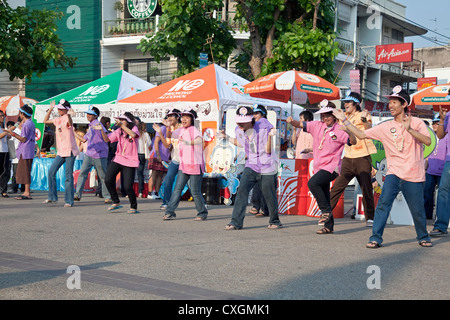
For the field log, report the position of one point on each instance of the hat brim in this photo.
(397, 96)
(91, 112)
(244, 119)
(123, 118)
(325, 110)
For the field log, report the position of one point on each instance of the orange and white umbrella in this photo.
(436, 96)
(10, 104)
(292, 85)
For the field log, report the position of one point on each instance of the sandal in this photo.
(132, 211)
(168, 217)
(254, 210)
(425, 244)
(323, 218)
(199, 218)
(275, 226)
(324, 231)
(49, 201)
(67, 205)
(114, 207)
(260, 214)
(230, 227)
(373, 245)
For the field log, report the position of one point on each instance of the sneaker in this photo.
(438, 233)
(369, 223)
(140, 195)
(150, 196)
(163, 207)
(156, 196)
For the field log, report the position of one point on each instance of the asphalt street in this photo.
(49, 252)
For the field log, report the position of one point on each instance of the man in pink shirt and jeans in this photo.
(403, 139)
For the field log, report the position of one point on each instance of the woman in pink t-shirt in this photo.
(192, 167)
(329, 141)
(125, 161)
(67, 150)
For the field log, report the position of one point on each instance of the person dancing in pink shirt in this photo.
(125, 160)
(403, 139)
(67, 150)
(329, 141)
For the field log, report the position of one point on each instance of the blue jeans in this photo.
(443, 200)
(195, 186)
(68, 182)
(168, 181)
(269, 191)
(100, 166)
(413, 194)
(431, 181)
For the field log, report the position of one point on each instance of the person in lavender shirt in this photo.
(443, 197)
(25, 150)
(95, 156)
(261, 165)
(436, 162)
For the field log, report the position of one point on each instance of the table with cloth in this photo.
(39, 173)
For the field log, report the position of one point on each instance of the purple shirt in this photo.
(96, 146)
(26, 149)
(163, 151)
(447, 131)
(436, 160)
(255, 148)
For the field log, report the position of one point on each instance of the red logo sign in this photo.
(423, 83)
(390, 53)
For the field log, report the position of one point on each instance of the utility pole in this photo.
(363, 91)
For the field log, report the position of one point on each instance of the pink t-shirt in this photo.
(191, 156)
(304, 141)
(328, 145)
(404, 154)
(65, 137)
(127, 147)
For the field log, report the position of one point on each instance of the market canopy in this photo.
(435, 97)
(209, 91)
(103, 93)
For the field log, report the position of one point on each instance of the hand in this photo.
(364, 113)
(273, 132)
(221, 134)
(339, 114)
(71, 112)
(289, 119)
(407, 122)
(156, 127)
(442, 113)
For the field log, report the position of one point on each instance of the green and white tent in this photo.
(102, 93)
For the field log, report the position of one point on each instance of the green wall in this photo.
(80, 32)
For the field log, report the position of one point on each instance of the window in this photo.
(150, 70)
(397, 35)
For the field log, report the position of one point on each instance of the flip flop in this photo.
(113, 207)
(23, 198)
(132, 211)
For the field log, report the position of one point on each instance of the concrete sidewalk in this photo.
(123, 256)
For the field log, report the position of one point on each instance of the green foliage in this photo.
(29, 43)
(296, 44)
(184, 28)
(300, 48)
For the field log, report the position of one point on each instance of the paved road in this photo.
(126, 257)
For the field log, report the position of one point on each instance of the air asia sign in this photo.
(141, 9)
(390, 53)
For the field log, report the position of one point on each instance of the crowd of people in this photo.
(340, 144)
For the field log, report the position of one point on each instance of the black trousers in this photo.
(5, 171)
(319, 185)
(127, 173)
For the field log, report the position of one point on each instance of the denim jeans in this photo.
(248, 180)
(413, 194)
(195, 186)
(431, 181)
(257, 200)
(443, 200)
(168, 181)
(68, 182)
(100, 166)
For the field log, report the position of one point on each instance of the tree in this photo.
(287, 34)
(28, 42)
(184, 30)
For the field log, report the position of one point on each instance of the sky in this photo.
(431, 14)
